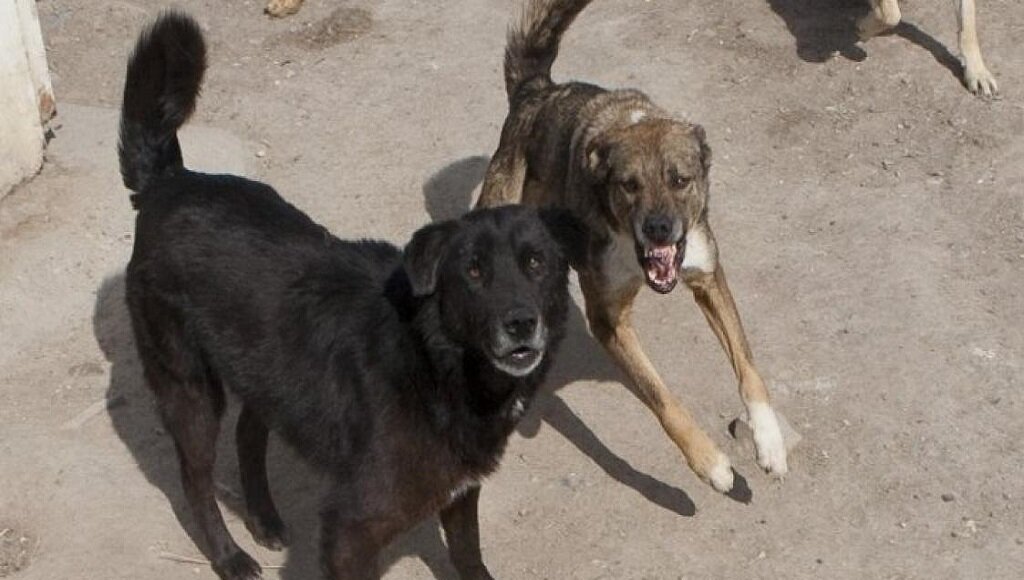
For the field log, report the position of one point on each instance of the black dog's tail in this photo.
(164, 74)
(533, 44)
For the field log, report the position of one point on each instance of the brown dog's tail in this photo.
(533, 44)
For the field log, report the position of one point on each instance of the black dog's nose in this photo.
(657, 228)
(519, 323)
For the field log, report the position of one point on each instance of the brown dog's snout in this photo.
(658, 228)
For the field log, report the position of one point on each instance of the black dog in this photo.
(401, 375)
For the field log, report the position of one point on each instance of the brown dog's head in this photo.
(654, 174)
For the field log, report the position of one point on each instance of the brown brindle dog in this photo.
(639, 179)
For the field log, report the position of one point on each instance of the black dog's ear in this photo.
(570, 232)
(423, 253)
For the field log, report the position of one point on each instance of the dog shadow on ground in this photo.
(447, 195)
(823, 28)
(295, 487)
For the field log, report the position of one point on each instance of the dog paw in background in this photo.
(282, 8)
(885, 15)
(976, 75)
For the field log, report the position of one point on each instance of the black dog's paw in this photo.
(477, 572)
(271, 534)
(238, 566)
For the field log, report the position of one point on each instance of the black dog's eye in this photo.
(473, 271)
(534, 263)
(679, 181)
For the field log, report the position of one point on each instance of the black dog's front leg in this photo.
(462, 530)
(351, 546)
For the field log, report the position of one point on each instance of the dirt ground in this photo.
(869, 209)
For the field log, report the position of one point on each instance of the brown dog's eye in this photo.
(631, 186)
(679, 181)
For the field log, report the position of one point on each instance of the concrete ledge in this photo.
(26, 96)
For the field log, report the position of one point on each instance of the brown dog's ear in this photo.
(596, 160)
(423, 254)
(572, 235)
(705, 150)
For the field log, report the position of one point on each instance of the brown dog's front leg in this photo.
(609, 317)
(714, 298)
(462, 531)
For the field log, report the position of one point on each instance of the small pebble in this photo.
(948, 497)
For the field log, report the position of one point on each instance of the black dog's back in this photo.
(266, 294)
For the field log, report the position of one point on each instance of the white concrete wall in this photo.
(26, 96)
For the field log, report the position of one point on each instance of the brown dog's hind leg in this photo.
(462, 533)
(503, 182)
(714, 298)
(263, 521)
(609, 317)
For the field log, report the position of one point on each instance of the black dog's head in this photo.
(655, 176)
(500, 278)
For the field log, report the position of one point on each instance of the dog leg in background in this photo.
(263, 521)
(609, 318)
(976, 75)
(714, 298)
(281, 8)
(462, 533)
(884, 16)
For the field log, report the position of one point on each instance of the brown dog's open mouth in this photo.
(661, 266)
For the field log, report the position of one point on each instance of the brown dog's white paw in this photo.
(770, 434)
(768, 440)
(719, 475)
(282, 8)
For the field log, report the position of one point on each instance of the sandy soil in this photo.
(870, 213)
